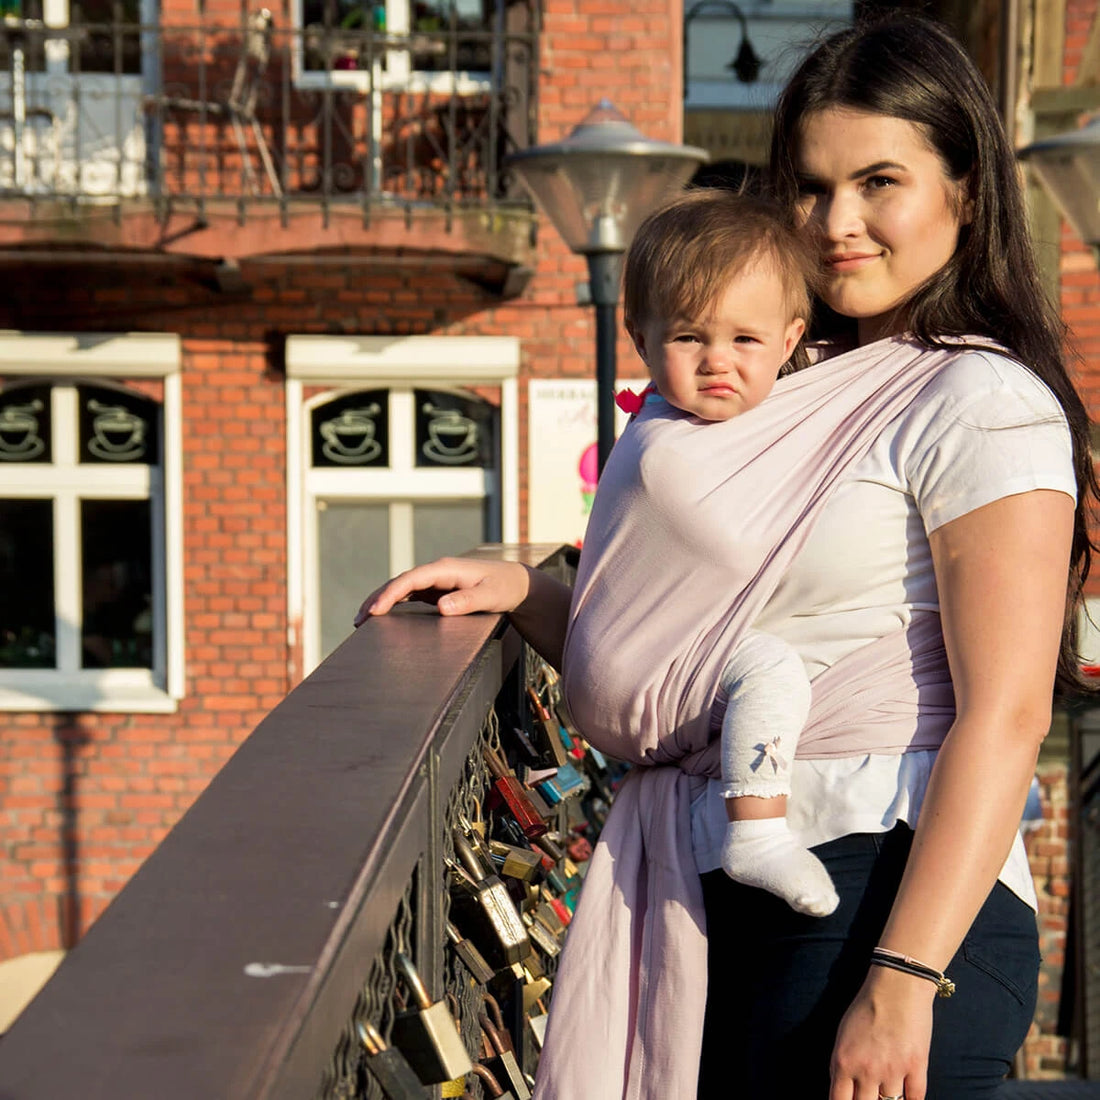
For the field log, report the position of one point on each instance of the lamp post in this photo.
(596, 186)
(1068, 166)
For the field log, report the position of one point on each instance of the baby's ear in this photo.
(793, 334)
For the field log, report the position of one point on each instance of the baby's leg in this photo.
(769, 699)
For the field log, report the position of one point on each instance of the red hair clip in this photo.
(630, 402)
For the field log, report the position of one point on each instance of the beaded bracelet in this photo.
(881, 956)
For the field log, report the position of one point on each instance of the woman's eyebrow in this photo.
(878, 166)
(859, 173)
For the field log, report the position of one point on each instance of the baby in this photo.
(716, 303)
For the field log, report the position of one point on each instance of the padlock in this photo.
(388, 1066)
(503, 1064)
(532, 965)
(549, 844)
(492, 1006)
(547, 736)
(427, 1033)
(563, 912)
(515, 862)
(508, 790)
(482, 908)
(544, 913)
(492, 1085)
(475, 835)
(533, 991)
(565, 718)
(545, 940)
(579, 849)
(537, 1022)
(567, 783)
(474, 961)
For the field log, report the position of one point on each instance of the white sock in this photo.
(764, 853)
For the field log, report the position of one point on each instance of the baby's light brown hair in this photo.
(685, 254)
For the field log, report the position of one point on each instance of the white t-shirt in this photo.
(984, 429)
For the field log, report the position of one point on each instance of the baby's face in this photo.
(726, 362)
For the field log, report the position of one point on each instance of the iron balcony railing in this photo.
(266, 110)
(240, 960)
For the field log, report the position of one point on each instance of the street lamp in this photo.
(596, 186)
(1068, 166)
(746, 65)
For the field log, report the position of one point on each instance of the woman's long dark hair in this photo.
(911, 68)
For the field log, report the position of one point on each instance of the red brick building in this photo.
(271, 310)
(179, 313)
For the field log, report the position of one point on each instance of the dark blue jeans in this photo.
(779, 982)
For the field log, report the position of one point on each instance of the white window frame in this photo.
(97, 359)
(399, 364)
(392, 72)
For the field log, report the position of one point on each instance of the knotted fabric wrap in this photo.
(705, 518)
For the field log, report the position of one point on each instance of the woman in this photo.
(969, 504)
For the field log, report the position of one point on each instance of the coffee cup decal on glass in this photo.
(349, 436)
(452, 437)
(19, 438)
(118, 435)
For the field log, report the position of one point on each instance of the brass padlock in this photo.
(427, 1034)
(515, 862)
(534, 991)
(483, 910)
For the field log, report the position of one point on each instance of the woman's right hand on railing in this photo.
(457, 586)
(538, 604)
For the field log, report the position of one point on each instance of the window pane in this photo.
(430, 23)
(354, 552)
(117, 620)
(106, 46)
(27, 625)
(25, 424)
(471, 18)
(453, 430)
(352, 430)
(445, 528)
(116, 426)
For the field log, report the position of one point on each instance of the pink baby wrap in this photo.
(704, 519)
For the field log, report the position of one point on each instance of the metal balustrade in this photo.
(261, 110)
(237, 960)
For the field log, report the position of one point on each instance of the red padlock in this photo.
(508, 790)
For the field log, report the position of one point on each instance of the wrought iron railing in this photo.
(263, 110)
(240, 958)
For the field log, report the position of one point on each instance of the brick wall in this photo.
(1047, 1052)
(85, 798)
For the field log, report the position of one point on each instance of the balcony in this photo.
(267, 137)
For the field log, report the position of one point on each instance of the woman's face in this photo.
(878, 200)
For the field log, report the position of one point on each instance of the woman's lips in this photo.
(850, 261)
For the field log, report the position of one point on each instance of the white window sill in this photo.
(122, 692)
(359, 80)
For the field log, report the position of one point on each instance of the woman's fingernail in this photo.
(445, 604)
